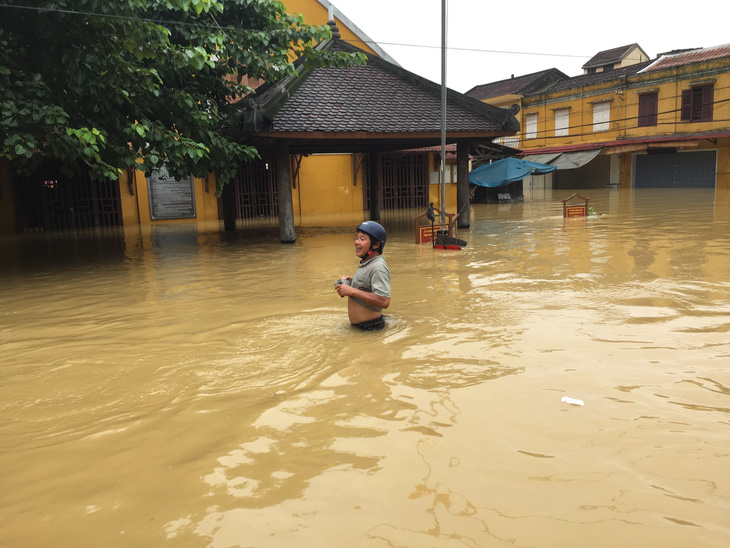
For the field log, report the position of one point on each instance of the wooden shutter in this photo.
(601, 116)
(648, 106)
(531, 126)
(686, 105)
(708, 97)
(562, 117)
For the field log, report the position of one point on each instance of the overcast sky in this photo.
(528, 36)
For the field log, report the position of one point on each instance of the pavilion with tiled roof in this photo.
(359, 107)
(371, 108)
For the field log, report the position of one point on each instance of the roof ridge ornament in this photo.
(335, 30)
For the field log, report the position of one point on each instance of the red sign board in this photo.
(576, 211)
(425, 233)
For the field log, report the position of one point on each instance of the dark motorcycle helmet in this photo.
(376, 232)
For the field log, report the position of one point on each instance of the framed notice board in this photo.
(171, 199)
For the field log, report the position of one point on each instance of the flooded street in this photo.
(193, 388)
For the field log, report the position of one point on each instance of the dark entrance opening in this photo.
(50, 200)
(254, 188)
(696, 169)
(404, 181)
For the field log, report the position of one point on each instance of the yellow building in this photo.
(633, 122)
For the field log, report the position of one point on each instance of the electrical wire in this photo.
(477, 50)
(543, 134)
(217, 27)
(199, 25)
(583, 112)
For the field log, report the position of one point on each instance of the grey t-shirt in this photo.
(373, 276)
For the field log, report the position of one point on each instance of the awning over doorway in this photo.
(507, 170)
(565, 160)
(542, 158)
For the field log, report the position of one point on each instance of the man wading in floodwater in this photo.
(369, 289)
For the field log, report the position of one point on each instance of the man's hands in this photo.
(342, 288)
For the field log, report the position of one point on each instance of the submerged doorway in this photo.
(404, 181)
(696, 169)
(254, 188)
(50, 200)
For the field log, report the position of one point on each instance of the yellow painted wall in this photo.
(504, 101)
(7, 210)
(434, 195)
(326, 194)
(580, 121)
(316, 14)
(670, 102)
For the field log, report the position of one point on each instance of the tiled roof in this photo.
(686, 57)
(609, 56)
(368, 98)
(514, 85)
(378, 97)
(597, 78)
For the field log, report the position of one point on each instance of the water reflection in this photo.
(201, 387)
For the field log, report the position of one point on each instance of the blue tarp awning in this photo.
(506, 170)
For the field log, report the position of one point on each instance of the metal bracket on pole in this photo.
(357, 159)
(296, 163)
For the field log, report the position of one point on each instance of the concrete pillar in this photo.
(286, 202)
(374, 182)
(228, 202)
(463, 197)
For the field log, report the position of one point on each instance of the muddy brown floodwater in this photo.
(189, 388)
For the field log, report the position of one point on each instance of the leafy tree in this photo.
(108, 83)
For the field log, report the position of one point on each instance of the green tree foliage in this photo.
(111, 83)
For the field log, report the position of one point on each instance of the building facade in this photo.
(647, 124)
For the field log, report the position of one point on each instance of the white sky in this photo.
(562, 34)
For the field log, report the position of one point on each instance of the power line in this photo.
(237, 29)
(137, 19)
(477, 50)
(543, 133)
(583, 112)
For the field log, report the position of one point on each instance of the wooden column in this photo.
(374, 182)
(286, 202)
(228, 202)
(462, 185)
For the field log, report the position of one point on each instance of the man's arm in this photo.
(365, 296)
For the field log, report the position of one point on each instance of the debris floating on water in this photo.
(571, 401)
